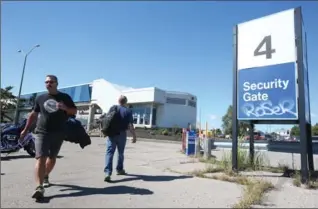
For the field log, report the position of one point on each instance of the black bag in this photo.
(110, 122)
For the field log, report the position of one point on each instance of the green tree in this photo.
(8, 103)
(295, 131)
(227, 123)
(218, 131)
(314, 130)
(273, 134)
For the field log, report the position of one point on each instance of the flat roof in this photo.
(117, 86)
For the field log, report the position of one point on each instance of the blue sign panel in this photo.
(268, 93)
(190, 142)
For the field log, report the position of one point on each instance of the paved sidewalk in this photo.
(79, 180)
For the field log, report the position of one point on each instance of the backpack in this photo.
(110, 122)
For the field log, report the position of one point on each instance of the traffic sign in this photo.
(266, 68)
(270, 80)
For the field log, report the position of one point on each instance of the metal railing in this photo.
(273, 146)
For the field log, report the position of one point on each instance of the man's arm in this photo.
(132, 130)
(70, 108)
(131, 127)
(33, 115)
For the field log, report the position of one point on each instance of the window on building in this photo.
(141, 115)
(192, 103)
(98, 111)
(141, 120)
(78, 93)
(135, 118)
(147, 119)
(178, 101)
(154, 116)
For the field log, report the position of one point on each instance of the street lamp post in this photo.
(16, 116)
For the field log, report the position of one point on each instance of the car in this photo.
(258, 135)
(269, 137)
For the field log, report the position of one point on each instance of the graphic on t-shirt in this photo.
(50, 105)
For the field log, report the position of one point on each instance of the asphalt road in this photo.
(78, 180)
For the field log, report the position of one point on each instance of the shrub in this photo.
(243, 159)
(165, 132)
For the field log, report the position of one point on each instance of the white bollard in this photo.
(197, 147)
(207, 148)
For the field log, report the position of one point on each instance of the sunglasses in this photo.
(50, 82)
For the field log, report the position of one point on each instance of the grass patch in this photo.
(297, 179)
(260, 163)
(191, 160)
(244, 160)
(242, 180)
(254, 189)
(253, 193)
(208, 169)
(311, 184)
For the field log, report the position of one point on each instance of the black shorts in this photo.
(48, 144)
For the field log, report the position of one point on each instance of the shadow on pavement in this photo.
(2, 174)
(133, 177)
(15, 157)
(80, 191)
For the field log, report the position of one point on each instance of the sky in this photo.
(180, 46)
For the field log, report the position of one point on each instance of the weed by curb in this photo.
(311, 184)
(253, 193)
(254, 189)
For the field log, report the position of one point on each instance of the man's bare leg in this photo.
(49, 165)
(55, 147)
(39, 177)
(40, 170)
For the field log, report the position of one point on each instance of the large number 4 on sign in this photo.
(267, 41)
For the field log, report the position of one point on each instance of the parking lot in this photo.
(151, 182)
(78, 179)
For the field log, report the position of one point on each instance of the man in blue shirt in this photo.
(119, 141)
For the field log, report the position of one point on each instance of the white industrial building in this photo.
(152, 107)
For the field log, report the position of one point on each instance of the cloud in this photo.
(213, 117)
(313, 115)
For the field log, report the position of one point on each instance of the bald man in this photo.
(119, 141)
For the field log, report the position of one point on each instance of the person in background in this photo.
(54, 108)
(119, 141)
